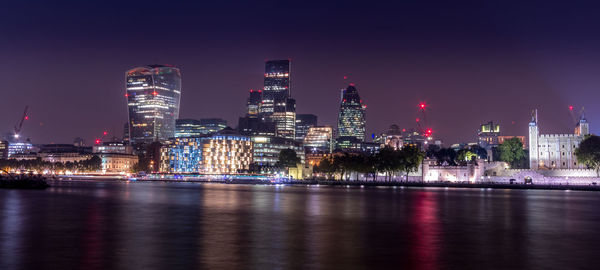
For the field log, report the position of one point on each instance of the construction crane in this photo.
(20, 125)
(423, 127)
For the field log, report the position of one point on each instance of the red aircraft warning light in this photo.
(26, 117)
(417, 119)
(104, 133)
(97, 141)
(571, 107)
(422, 106)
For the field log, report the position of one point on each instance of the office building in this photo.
(303, 123)
(277, 105)
(267, 148)
(188, 128)
(153, 96)
(319, 139)
(212, 125)
(253, 103)
(217, 154)
(351, 117)
(3, 149)
(488, 135)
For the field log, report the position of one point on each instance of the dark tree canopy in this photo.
(288, 158)
(588, 153)
(512, 152)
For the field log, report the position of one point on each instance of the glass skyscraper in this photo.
(153, 95)
(303, 123)
(351, 118)
(277, 106)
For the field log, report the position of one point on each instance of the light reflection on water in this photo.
(121, 225)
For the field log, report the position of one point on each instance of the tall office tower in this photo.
(153, 95)
(303, 123)
(351, 119)
(254, 101)
(277, 105)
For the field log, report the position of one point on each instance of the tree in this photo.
(288, 158)
(465, 155)
(588, 153)
(410, 159)
(511, 152)
(325, 166)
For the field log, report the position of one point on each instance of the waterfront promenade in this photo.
(352, 183)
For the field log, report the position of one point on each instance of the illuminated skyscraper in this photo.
(352, 115)
(253, 105)
(153, 94)
(276, 105)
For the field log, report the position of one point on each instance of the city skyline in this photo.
(446, 62)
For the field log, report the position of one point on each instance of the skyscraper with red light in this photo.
(153, 96)
(352, 114)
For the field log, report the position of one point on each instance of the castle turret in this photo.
(533, 141)
(583, 127)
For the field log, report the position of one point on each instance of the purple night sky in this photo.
(471, 62)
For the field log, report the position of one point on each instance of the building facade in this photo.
(277, 106)
(351, 117)
(303, 123)
(188, 128)
(488, 135)
(3, 149)
(217, 154)
(555, 151)
(266, 149)
(153, 96)
(319, 139)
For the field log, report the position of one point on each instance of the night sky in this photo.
(472, 62)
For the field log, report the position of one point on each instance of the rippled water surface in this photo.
(120, 225)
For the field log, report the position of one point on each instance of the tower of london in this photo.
(555, 151)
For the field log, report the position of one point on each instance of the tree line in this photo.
(89, 165)
(387, 161)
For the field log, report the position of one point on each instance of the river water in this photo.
(144, 225)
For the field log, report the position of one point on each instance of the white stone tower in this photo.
(534, 134)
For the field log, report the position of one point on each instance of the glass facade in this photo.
(303, 123)
(153, 96)
(276, 105)
(188, 128)
(267, 148)
(351, 118)
(218, 154)
(319, 138)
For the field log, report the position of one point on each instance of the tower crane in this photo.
(17, 131)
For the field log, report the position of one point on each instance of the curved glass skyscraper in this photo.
(351, 119)
(153, 94)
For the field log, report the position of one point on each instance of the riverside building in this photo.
(216, 154)
(153, 96)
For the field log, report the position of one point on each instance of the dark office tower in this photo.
(277, 87)
(126, 132)
(351, 119)
(277, 105)
(153, 94)
(303, 123)
(254, 101)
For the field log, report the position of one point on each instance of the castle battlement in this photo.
(558, 135)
